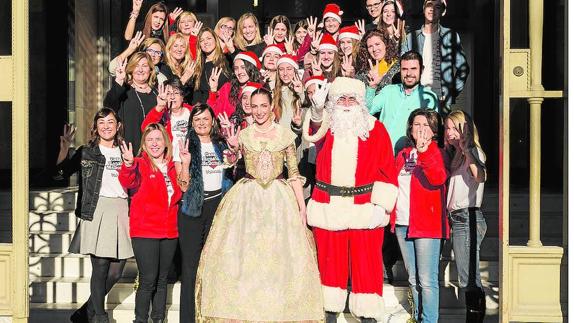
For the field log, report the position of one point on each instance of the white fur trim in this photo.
(367, 305)
(344, 161)
(248, 89)
(321, 132)
(333, 15)
(328, 47)
(288, 61)
(311, 82)
(349, 35)
(385, 195)
(341, 213)
(245, 58)
(334, 299)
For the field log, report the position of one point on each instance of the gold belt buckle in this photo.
(346, 191)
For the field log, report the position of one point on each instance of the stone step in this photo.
(50, 242)
(50, 221)
(52, 313)
(69, 266)
(77, 290)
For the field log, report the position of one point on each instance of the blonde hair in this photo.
(185, 14)
(460, 118)
(177, 67)
(239, 39)
(219, 59)
(133, 63)
(221, 21)
(167, 154)
(151, 41)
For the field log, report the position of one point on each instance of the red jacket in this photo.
(219, 101)
(153, 116)
(428, 216)
(150, 214)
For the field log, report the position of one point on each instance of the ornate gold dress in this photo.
(258, 263)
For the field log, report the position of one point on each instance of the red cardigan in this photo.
(153, 116)
(150, 214)
(428, 215)
(219, 101)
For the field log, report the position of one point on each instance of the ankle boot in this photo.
(475, 306)
(331, 317)
(80, 315)
(101, 318)
(157, 321)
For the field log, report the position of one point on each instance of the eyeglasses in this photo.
(372, 6)
(225, 27)
(152, 51)
(350, 100)
(173, 93)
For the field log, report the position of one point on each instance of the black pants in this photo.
(153, 257)
(192, 235)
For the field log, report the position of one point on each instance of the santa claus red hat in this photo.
(273, 48)
(398, 6)
(250, 57)
(327, 43)
(349, 32)
(289, 59)
(250, 87)
(332, 10)
(314, 80)
(443, 3)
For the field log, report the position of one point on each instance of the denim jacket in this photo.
(454, 67)
(91, 162)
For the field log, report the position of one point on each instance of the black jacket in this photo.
(91, 162)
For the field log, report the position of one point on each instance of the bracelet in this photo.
(133, 15)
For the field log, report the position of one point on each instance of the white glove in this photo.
(318, 100)
(380, 217)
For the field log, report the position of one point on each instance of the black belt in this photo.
(459, 212)
(343, 190)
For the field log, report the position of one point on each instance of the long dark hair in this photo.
(158, 7)
(391, 50)
(254, 76)
(199, 108)
(95, 137)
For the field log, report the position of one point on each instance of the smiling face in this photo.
(107, 127)
(374, 8)
(157, 20)
(206, 42)
(155, 144)
(421, 127)
(240, 71)
(142, 71)
(326, 57)
(202, 123)
(177, 50)
(280, 32)
(451, 132)
(270, 61)
(246, 103)
(332, 25)
(249, 30)
(389, 14)
(410, 73)
(376, 48)
(346, 46)
(261, 108)
(286, 73)
(300, 35)
(186, 25)
(154, 51)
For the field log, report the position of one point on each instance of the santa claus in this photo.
(355, 192)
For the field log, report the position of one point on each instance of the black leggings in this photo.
(153, 257)
(105, 274)
(193, 233)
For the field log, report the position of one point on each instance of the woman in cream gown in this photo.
(258, 263)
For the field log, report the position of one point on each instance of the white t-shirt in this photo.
(168, 183)
(463, 190)
(211, 168)
(426, 75)
(111, 186)
(179, 131)
(404, 198)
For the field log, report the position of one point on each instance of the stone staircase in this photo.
(59, 282)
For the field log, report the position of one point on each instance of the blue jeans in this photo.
(421, 257)
(466, 245)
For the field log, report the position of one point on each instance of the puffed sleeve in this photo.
(292, 167)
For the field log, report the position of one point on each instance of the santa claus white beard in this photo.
(351, 121)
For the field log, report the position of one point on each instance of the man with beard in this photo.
(355, 192)
(395, 102)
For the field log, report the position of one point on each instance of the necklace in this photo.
(271, 127)
(141, 103)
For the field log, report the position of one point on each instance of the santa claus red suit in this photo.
(355, 193)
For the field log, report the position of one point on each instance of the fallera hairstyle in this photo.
(224, 20)
(254, 76)
(284, 20)
(95, 137)
(185, 14)
(158, 7)
(267, 94)
(177, 67)
(433, 119)
(412, 55)
(133, 63)
(151, 41)
(198, 109)
(167, 154)
(391, 50)
(219, 59)
(460, 118)
(239, 39)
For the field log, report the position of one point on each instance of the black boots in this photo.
(331, 317)
(157, 321)
(84, 314)
(475, 306)
(101, 318)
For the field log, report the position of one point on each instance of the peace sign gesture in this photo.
(316, 67)
(184, 154)
(127, 153)
(227, 38)
(360, 24)
(297, 85)
(297, 119)
(161, 98)
(175, 13)
(268, 38)
(374, 77)
(136, 6)
(398, 29)
(347, 66)
(289, 49)
(311, 25)
(121, 71)
(214, 78)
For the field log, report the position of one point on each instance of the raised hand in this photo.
(316, 67)
(232, 138)
(161, 98)
(312, 26)
(466, 137)
(297, 118)
(188, 72)
(320, 96)
(121, 72)
(227, 38)
(316, 41)
(136, 6)
(289, 49)
(374, 77)
(398, 29)
(175, 13)
(361, 26)
(268, 38)
(297, 84)
(67, 137)
(265, 74)
(224, 123)
(184, 154)
(347, 66)
(214, 78)
(423, 140)
(127, 153)
(136, 41)
(196, 28)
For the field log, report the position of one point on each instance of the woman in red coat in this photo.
(420, 218)
(156, 192)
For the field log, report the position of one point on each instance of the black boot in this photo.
(101, 318)
(84, 314)
(475, 306)
(368, 320)
(331, 317)
(157, 320)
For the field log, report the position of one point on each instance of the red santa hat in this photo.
(349, 32)
(332, 10)
(313, 80)
(250, 57)
(443, 4)
(273, 48)
(398, 6)
(250, 87)
(328, 43)
(289, 59)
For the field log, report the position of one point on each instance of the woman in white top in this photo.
(464, 199)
